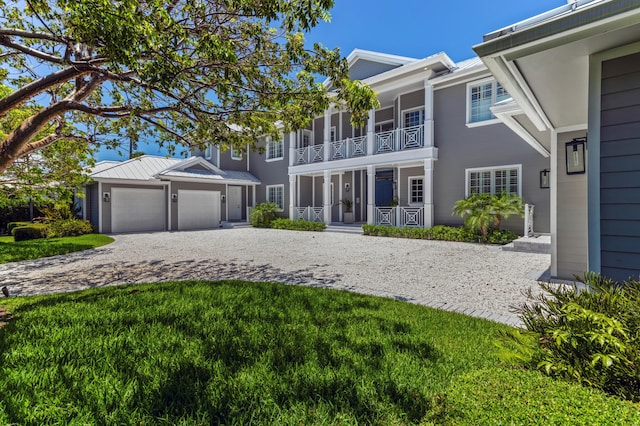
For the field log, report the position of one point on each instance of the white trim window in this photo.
(275, 150)
(236, 154)
(208, 152)
(333, 135)
(494, 180)
(413, 117)
(416, 190)
(307, 138)
(275, 194)
(383, 126)
(481, 96)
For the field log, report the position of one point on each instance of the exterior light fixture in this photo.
(575, 156)
(544, 178)
(174, 197)
(223, 198)
(106, 197)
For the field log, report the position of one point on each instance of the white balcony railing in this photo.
(313, 214)
(399, 139)
(384, 142)
(349, 148)
(310, 154)
(400, 216)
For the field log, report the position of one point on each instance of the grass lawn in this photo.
(232, 352)
(11, 251)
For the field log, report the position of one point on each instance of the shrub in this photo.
(69, 228)
(589, 336)
(501, 236)
(485, 212)
(298, 225)
(262, 215)
(440, 233)
(29, 232)
(12, 225)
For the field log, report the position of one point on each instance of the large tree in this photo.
(188, 72)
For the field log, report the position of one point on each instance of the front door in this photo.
(234, 199)
(384, 188)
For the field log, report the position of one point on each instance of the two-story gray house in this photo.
(436, 138)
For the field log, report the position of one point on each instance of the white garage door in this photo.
(198, 209)
(137, 210)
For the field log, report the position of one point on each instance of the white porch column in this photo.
(340, 196)
(371, 126)
(326, 197)
(292, 196)
(428, 114)
(371, 194)
(427, 189)
(292, 148)
(327, 134)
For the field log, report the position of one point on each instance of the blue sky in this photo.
(414, 28)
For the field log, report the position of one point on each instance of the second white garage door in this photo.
(137, 210)
(198, 209)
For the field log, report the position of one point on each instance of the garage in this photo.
(198, 209)
(138, 209)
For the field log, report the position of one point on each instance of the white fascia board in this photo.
(460, 77)
(168, 179)
(379, 57)
(505, 113)
(424, 64)
(116, 181)
(370, 160)
(519, 91)
(189, 162)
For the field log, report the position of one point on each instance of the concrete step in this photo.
(535, 244)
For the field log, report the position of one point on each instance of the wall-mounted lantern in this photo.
(174, 197)
(106, 197)
(223, 198)
(347, 187)
(544, 178)
(575, 156)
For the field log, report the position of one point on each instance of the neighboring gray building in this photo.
(574, 74)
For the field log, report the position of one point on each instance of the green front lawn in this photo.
(233, 352)
(11, 251)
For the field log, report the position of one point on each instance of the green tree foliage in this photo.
(485, 212)
(53, 173)
(176, 71)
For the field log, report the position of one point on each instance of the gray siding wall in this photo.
(364, 69)
(93, 203)
(571, 236)
(620, 168)
(227, 163)
(272, 172)
(492, 145)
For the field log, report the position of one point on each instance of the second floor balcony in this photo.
(395, 140)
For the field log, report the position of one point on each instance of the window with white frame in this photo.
(275, 194)
(481, 96)
(333, 135)
(208, 152)
(236, 154)
(307, 138)
(275, 149)
(383, 126)
(494, 180)
(413, 118)
(416, 189)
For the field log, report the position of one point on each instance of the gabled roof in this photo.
(141, 168)
(379, 57)
(153, 168)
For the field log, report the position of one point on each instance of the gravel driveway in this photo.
(478, 280)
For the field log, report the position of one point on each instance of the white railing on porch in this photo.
(310, 154)
(400, 216)
(399, 139)
(528, 220)
(391, 141)
(312, 214)
(349, 148)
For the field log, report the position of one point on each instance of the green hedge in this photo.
(12, 225)
(439, 232)
(69, 228)
(262, 215)
(30, 232)
(298, 225)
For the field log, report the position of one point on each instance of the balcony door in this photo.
(384, 187)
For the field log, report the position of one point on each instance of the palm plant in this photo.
(485, 212)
